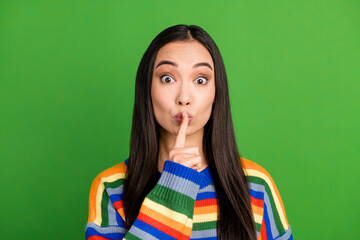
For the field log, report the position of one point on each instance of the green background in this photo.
(67, 74)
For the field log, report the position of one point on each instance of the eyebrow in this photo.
(166, 62)
(175, 65)
(202, 64)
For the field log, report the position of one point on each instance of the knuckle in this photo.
(176, 158)
(197, 151)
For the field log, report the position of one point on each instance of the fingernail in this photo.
(183, 114)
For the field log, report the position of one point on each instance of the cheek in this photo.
(208, 98)
(207, 104)
(160, 102)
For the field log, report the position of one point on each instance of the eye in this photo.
(167, 79)
(201, 80)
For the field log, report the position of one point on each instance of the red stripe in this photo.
(97, 238)
(257, 202)
(162, 227)
(118, 204)
(263, 231)
(205, 202)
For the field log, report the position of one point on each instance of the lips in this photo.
(178, 117)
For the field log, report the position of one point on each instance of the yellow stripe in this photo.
(205, 217)
(178, 217)
(100, 191)
(257, 218)
(276, 199)
(113, 177)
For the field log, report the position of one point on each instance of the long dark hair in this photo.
(219, 144)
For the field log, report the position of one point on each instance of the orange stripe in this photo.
(247, 164)
(162, 227)
(166, 220)
(122, 213)
(120, 208)
(257, 210)
(92, 199)
(206, 209)
(118, 168)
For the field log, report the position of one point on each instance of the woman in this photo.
(184, 178)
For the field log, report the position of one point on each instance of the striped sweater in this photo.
(182, 205)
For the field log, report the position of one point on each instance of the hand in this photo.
(187, 156)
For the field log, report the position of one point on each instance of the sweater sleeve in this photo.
(166, 212)
(267, 205)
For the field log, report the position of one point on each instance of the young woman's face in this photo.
(183, 80)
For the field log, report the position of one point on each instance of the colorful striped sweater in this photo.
(182, 205)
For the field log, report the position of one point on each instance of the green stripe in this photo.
(258, 226)
(261, 181)
(173, 200)
(130, 236)
(104, 210)
(114, 184)
(204, 225)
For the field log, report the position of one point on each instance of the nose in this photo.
(184, 102)
(183, 97)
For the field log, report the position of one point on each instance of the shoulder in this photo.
(251, 168)
(106, 180)
(263, 189)
(112, 174)
(257, 174)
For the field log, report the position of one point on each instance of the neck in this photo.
(167, 141)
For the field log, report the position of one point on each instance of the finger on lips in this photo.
(181, 135)
(187, 156)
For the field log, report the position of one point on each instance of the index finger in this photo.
(181, 135)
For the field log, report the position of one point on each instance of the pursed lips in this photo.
(178, 117)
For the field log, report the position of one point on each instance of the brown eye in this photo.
(201, 80)
(167, 79)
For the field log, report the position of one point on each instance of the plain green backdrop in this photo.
(67, 74)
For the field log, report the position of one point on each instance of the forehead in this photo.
(184, 52)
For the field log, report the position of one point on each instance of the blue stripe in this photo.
(151, 230)
(116, 197)
(207, 180)
(267, 223)
(258, 195)
(112, 236)
(205, 195)
(182, 171)
(120, 221)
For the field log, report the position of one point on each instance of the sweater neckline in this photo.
(207, 180)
